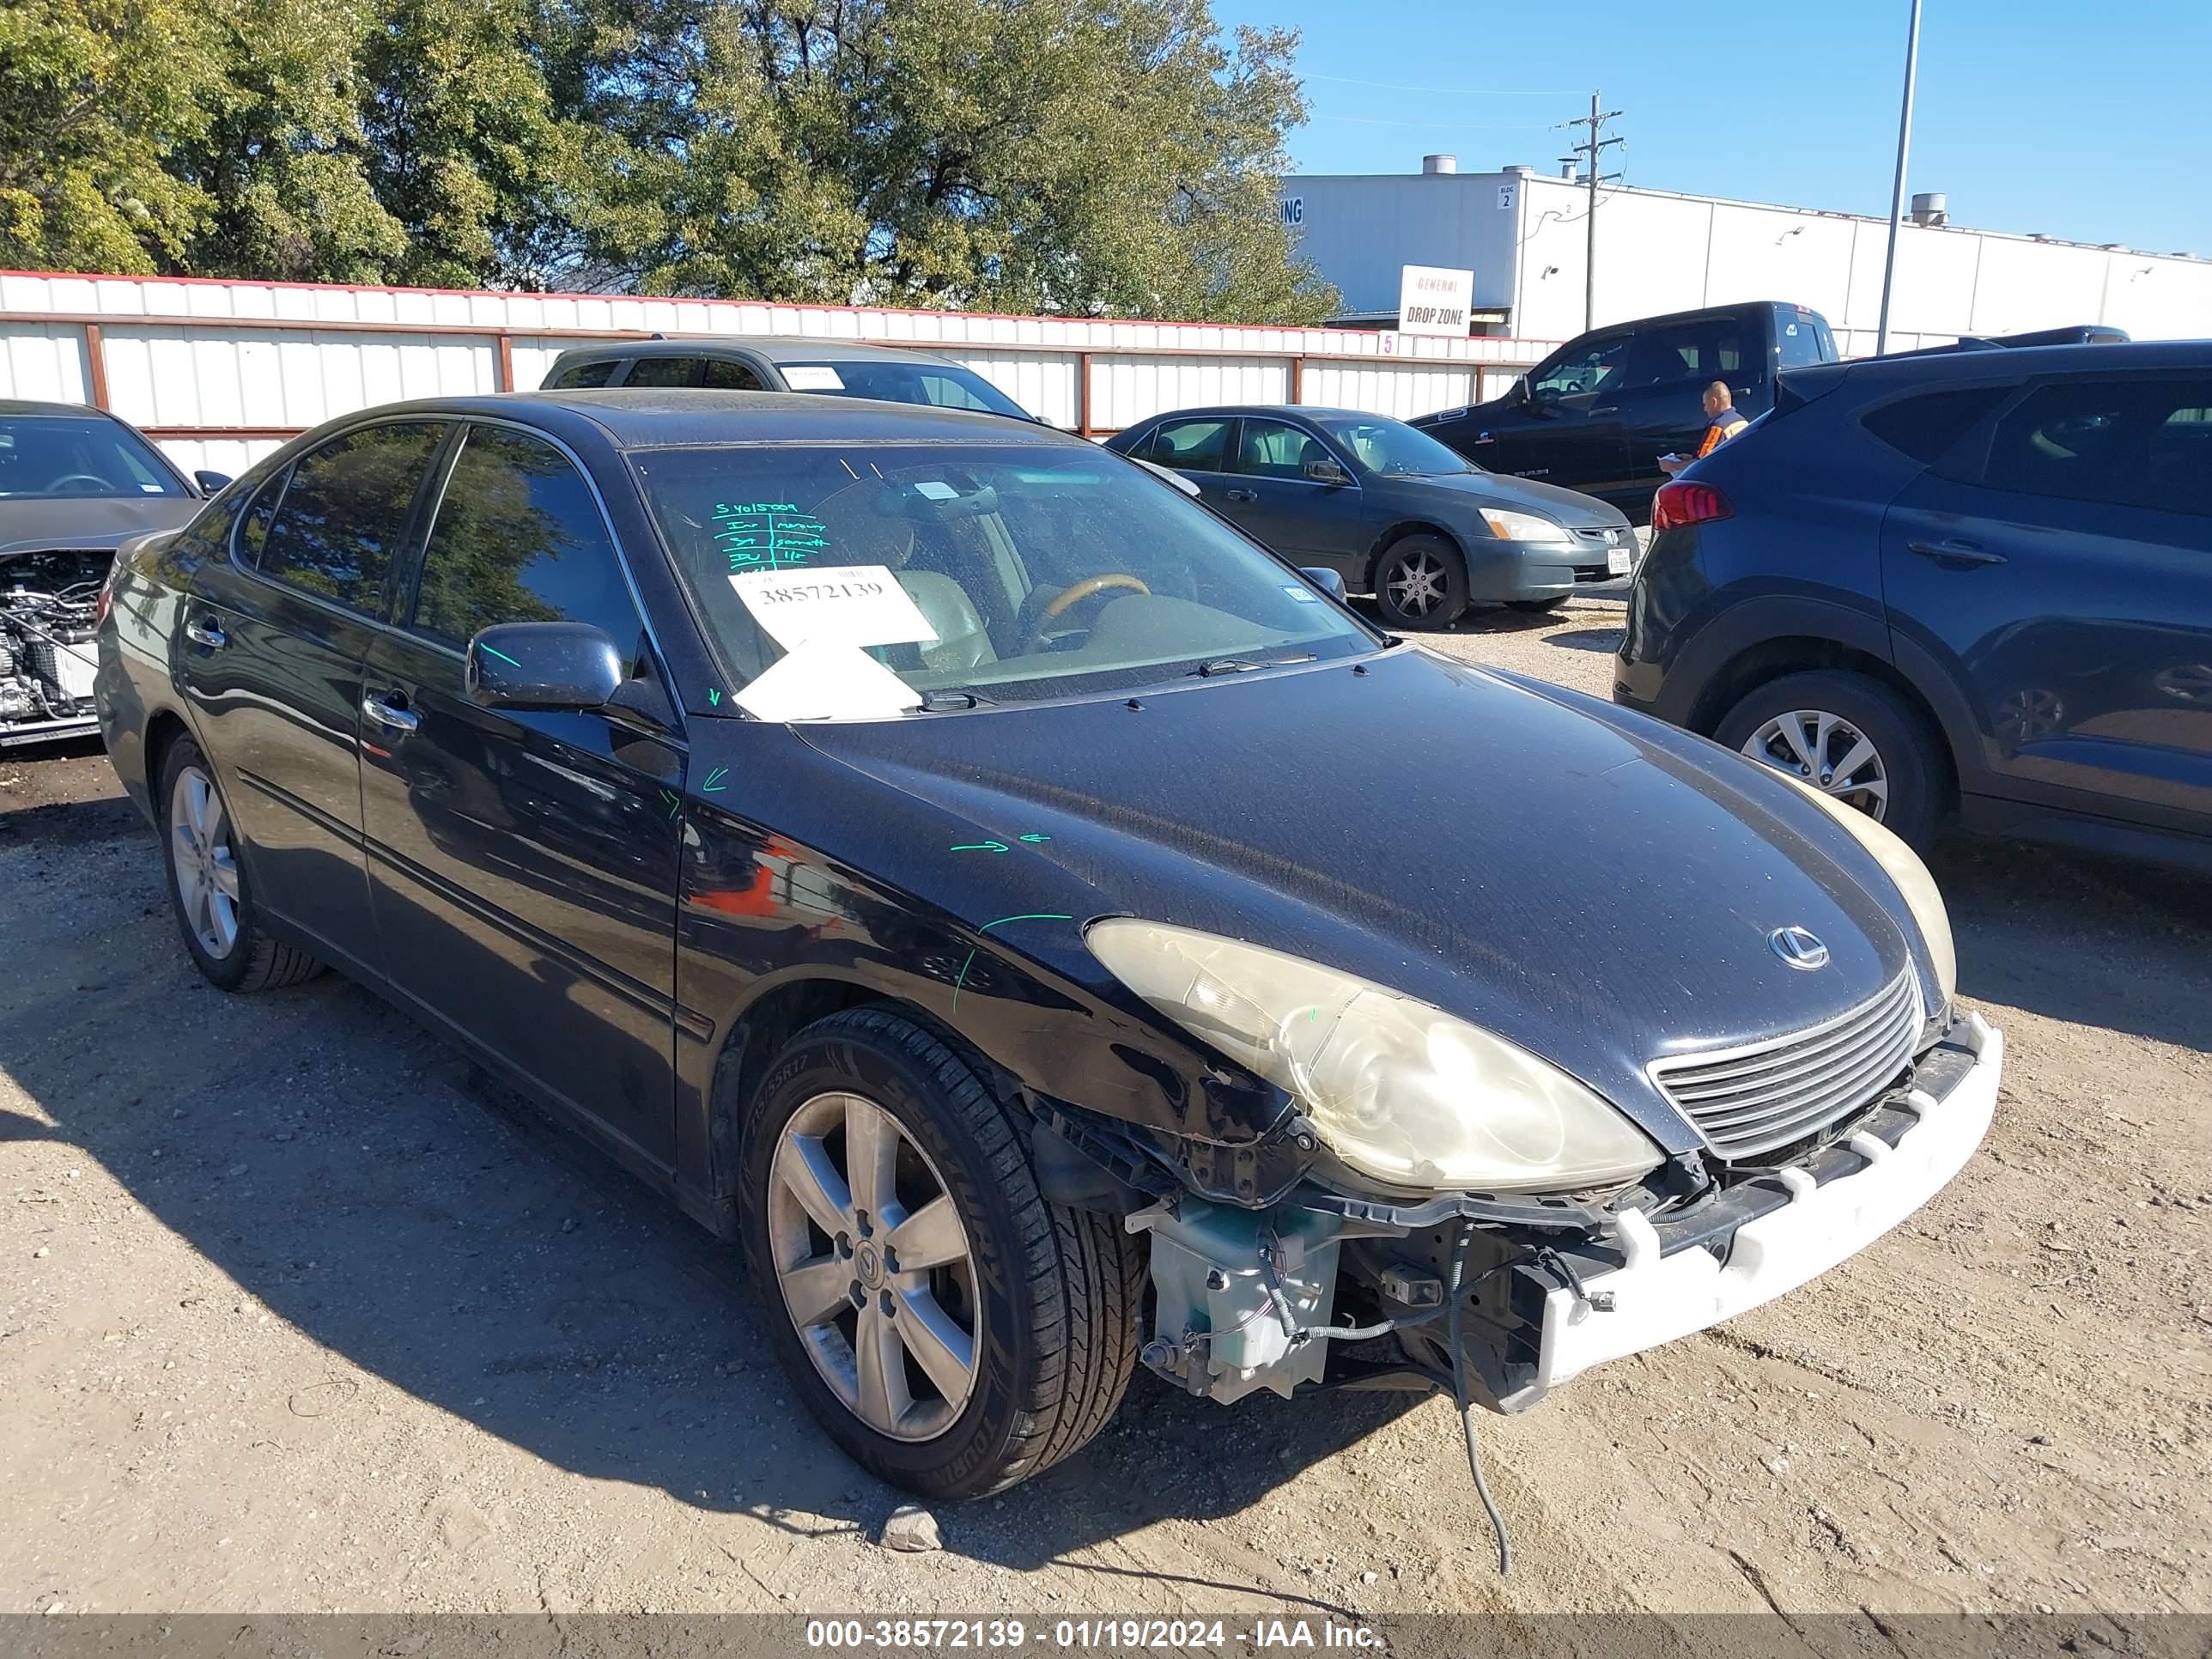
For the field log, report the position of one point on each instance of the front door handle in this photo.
(1955, 552)
(389, 715)
(1244, 494)
(1607, 409)
(206, 633)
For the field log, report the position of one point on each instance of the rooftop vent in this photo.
(1440, 164)
(1519, 170)
(1931, 209)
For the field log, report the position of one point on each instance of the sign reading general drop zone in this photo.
(1434, 300)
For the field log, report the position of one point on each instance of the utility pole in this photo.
(1588, 153)
(1896, 188)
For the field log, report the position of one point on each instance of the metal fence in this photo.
(221, 372)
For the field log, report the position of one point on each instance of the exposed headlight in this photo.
(1904, 867)
(1401, 1091)
(1525, 527)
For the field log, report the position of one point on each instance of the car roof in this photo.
(2000, 363)
(1232, 411)
(39, 406)
(652, 417)
(778, 348)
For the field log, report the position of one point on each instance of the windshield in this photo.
(77, 455)
(1032, 571)
(947, 386)
(1393, 448)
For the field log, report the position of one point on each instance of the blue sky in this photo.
(2079, 121)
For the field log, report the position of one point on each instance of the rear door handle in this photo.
(1244, 495)
(385, 714)
(1950, 552)
(206, 633)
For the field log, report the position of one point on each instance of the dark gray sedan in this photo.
(1387, 507)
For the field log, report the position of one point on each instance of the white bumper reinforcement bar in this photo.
(1656, 1299)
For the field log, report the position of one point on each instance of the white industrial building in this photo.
(1524, 235)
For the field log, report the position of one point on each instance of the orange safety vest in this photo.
(1725, 425)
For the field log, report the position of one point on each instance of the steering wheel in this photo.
(61, 485)
(1068, 598)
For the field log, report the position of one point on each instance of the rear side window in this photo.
(519, 537)
(665, 371)
(581, 375)
(338, 526)
(1191, 446)
(723, 376)
(2123, 442)
(1802, 339)
(1687, 354)
(1924, 427)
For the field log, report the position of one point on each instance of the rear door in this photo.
(271, 659)
(1662, 398)
(523, 864)
(1305, 521)
(1203, 449)
(2058, 561)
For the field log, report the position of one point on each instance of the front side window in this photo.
(1190, 446)
(1276, 449)
(339, 524)
(1041, 572)
(1392, 449)
(2126, 442)
(665, 372)
(945, 385)
(518, 537)
(1583, 369)
(78, 455)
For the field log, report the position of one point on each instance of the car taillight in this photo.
(1682, 502)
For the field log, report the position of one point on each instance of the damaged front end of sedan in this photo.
(49, 611)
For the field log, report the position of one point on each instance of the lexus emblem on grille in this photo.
(1798, 948)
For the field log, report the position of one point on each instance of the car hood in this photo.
(1479, 489)
(1593, 886)
(86, 521)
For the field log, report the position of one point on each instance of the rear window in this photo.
(1803, 339)
(1924, 427)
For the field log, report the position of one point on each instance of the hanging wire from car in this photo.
(1467, 1407)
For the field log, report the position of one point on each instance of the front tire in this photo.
(1852, 738)
(950, 1329)
(1420, 582)
(210, 890)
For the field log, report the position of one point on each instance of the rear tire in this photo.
(1420, 582)
(1854, 739)
(210, 890)
(1039, 1302)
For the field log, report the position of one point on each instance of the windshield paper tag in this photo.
(1302, 595)
(935, 491)
(858, 605)
(813, 377)
(823, 682)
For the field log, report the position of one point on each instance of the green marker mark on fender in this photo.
(713, 697)
(675, 802)
(1033, 838)
(980, 847)
(715, 782)
(1034, 916)
(502, 655)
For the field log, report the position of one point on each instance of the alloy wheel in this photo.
(1416, 584)
(205, 863)
(874, 1266)
(1828, 752)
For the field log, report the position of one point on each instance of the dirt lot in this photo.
(295, 1313)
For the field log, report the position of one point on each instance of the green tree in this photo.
(94, 95)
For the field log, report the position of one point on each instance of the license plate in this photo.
(1616, 561)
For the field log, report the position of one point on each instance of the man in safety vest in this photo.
(1722, 423)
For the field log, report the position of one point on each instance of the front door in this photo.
(1309, 523)
(1568, 431)
(270, 655)
(523, 864)
(2059, 562)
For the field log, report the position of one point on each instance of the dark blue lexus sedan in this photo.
(940, 856)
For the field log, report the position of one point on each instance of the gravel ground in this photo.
(297, 1313)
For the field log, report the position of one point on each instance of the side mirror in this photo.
(1325, 471)
(1325, 579)
(210, 481)
(571, 666)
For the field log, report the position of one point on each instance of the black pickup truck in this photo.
(1598, 412)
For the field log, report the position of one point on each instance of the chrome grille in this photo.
(1749, 1100)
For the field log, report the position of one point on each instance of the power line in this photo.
(1453, 91)
(1434, 126)
(1590, 152)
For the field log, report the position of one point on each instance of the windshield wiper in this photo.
(1241, 666)
(939, 701)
